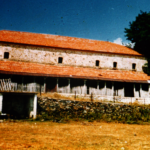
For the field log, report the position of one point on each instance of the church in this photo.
(31, 63)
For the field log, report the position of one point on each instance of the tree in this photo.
(139, 33)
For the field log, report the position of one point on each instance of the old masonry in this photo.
(31, 63)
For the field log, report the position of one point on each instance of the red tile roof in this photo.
(64, 42)
(26, 68)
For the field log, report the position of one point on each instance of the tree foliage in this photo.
(139, 33)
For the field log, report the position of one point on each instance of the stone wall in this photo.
(53, 109)
(70, 57)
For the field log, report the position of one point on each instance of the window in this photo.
(60, 60)
(114, 64)
(6, 55)
(145, 87)
(133, 66)
(97, 63)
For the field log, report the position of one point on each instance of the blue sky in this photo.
(92, 19)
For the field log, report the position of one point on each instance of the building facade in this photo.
(67, 65)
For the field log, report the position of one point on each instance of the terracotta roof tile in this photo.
(64, 42)
(26, 68)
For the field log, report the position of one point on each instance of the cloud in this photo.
(130, 45)
(118, 41)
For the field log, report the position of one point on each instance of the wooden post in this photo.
(45, 85)
(114, 94)
(140, 90)
(1, 102)
(112, 88)
(123, 90)
(34, 87)
(85, 87)
(91, 97)
(149, 90)
(57, 84)
(40, 89)
(75, 95)
(97, 87)
(134, 90)
(105, 88)
(22, 83)
(68, 85)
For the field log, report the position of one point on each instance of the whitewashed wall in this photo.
(78, 90)
(70, 57)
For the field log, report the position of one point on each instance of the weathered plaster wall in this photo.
(70, 57)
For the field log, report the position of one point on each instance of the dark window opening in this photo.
(115, 65)
(76, 84)
(6, 55)
(128, 90)
(117, 87)
(91, 84)
(51, 84)
(97, 63)
(101, 85)
(62, 82)
(109, 85)
(60, 59)
(145, 87)
(10, 107)
(137, 87)
(133, 66)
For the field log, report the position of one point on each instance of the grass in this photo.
(79, 135)
(78, 97)
(59, 96)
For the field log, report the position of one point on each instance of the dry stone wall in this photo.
(55, 109)
(69, 57)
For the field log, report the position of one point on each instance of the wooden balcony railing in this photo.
(7, 85)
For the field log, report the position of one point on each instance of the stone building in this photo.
(51, 63)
